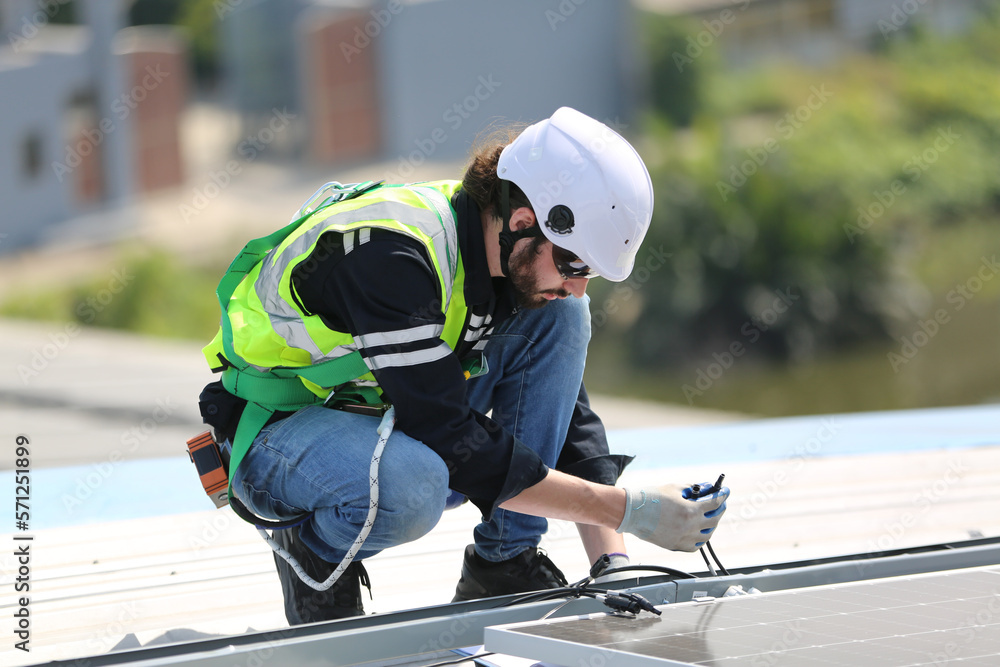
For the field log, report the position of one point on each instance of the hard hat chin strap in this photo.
(507, 237)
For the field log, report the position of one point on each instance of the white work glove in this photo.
(667, 517)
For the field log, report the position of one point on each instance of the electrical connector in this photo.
(631, 603)
(599, 566)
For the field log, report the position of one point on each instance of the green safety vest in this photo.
(277, 357)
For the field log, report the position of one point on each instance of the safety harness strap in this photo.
(278, 388)
(257, 249)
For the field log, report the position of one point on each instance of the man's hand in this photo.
(669, 518)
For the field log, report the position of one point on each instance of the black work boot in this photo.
(530, 570)
(304, 604)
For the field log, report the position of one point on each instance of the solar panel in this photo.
(941, 618)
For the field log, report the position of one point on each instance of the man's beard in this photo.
(524, 280)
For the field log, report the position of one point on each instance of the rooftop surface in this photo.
(125, 545)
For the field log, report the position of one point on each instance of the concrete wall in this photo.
(412, 80)
(90, 115)
(260, 68)
(340, 90)
(58, 88)
(37, 88)
(109, 77)
(155, 60)
(448, 67)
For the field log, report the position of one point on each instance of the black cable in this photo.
(699, 491)
(650, 568)
(576, 589)
(631, 603)
(244, 513)
(539, 596)
(580, 589)
(459, 661)
(555, 609)
(716, 558)
(704, 557)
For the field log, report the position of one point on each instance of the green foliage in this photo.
(155, 294)
(60, 13)
(676, 78)
(199, 18)
(791, 201)
(153, 12)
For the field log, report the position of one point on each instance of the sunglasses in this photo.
(569, 265)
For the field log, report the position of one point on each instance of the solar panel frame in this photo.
(938, 618)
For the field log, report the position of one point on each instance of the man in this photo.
(459, 298)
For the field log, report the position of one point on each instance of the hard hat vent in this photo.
(560, 220)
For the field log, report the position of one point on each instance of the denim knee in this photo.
(564, 323)
(574, 313)
(412, 493)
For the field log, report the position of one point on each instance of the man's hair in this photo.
(481, 181)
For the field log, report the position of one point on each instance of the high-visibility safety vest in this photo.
(277, 357)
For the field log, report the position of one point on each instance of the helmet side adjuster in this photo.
(560, 220)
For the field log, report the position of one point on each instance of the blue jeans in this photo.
(318, 459)
(536, 362)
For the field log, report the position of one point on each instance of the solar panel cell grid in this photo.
(937, 619)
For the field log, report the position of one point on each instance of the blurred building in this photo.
(813, 31)
(90, 114)
(415, 80)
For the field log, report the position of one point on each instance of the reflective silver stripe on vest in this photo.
(478, 327)
(401, 336)
(364, 236)
(287, 322)
(380, 361)
(447, 220)
(471, 336)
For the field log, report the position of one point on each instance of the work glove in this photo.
(672, 517)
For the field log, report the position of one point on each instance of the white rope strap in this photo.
(384, 431)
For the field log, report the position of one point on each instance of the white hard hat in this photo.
(589, 188)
